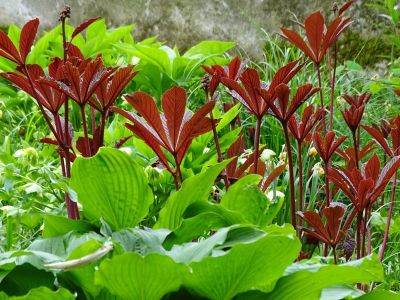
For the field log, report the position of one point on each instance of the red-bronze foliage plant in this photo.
(327, 146)
(381, 137)
(173, 130)
(363, 187)
(86, 81)
(283, 110)
(255, 96)
(330, 233)
(319, 38)
(300, 131)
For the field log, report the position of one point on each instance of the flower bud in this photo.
(312, 152)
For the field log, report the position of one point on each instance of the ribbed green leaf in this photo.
(245, 267)
(201, 217)
(379, 295)
(113, 187)
(141, 241)
(195, 188)
(59, 225)
(132, 276)
(306, 281)
(45, 293)
(246, 198)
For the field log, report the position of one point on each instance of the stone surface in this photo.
(182, 22)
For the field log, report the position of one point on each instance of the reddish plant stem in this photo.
(93, 117)
(369, 235)
(291, 175)
(177, 174)
(358, 241)
(364, 232)
(64, 39)
(218, 147)
(332, 94)
(326, 248)
(257, 144)
(383, 195)
(68, 202)
(85, 129)
(355, 149)
(180, 173)
(102, 126)
(300, 166)
(327, 183)
(73, 205)
(389, 219)
(217, 144)
(321, 97)
(333, 83)
(334, 255)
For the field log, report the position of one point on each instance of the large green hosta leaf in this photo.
(42, 293)
(245, 267)
(195, 188)
(307, 280)
(142, 241)
(132, 276)
(379, 295)
(113, 187)
(201, 217)
(246, 198)
(59, 225)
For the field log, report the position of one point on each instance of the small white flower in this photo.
(267, 154)
(19, 153)
(135, 60)
(318, 169)
(127, 150)
(272, 196)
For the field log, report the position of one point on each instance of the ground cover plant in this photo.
(132, 171)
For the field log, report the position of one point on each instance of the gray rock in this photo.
(182, 22)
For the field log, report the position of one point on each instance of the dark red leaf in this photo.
(314, 26)
(8, 50)
(235, 67)
(284, 75)
(239, 93)
(233, 152)
(379, 138)
(334, 216)
(28, 34)
(174, 104)
(303, 93)
(74, 51)
(272, 176)
(372, 167)
(296, 39)
(83, 26)
(345, 7)
(248, 162)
